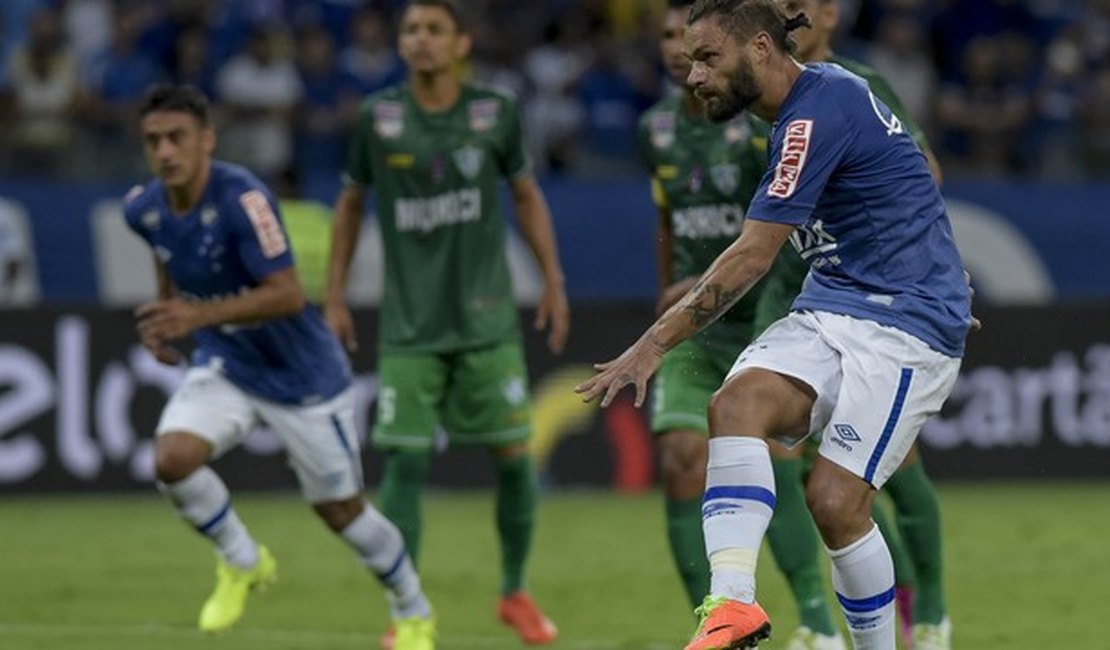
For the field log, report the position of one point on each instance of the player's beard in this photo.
(741, 91)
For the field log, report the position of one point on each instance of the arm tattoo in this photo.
(709, 302)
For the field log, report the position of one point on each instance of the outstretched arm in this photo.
(730, 276)
(535, 225)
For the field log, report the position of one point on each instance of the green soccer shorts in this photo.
(480, 397)
(687, 378)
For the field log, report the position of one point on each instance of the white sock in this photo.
(863, 576)
(739, 501)
(382, 549)
(202, 499)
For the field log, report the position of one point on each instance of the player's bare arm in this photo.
(730, 276)
(344, 238)
(161, 350)
(279, 294)
(535, 225)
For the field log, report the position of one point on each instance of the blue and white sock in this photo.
(863, 576)
(382, 549)
(739, 501)
(202, 499)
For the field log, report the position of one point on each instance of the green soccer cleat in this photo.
(226, 604)
(806, 639)
(927, 636)
(414, 633)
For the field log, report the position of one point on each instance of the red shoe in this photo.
(729, 625)
(903, 603)
(519, 612)
(389, 637)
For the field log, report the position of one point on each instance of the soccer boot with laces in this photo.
(928, 636)
(233, 584)
(414, 633)
(729, 625)
(520, 612)
(804, 638)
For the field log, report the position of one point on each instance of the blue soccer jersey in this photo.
(870, 219)
(227, 244)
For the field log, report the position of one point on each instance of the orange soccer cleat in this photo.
(729, 625)
(519, 612)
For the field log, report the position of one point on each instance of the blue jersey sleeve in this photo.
(263, 244)
(805, 150)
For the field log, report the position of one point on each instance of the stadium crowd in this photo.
(1002, 87)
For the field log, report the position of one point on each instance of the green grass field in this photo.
(1028, 567)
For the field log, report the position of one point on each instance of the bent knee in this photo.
(339, 514)
(177, 455)
(683, 456)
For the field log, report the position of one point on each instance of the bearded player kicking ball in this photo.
(873, 344)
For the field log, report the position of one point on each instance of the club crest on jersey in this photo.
(208, 215)
(151, 220)
(726, 176)
(693, 183)
(468, 160)
(389, 119)
(795, 150)
(662, 128)
(483, 114)
(737, 130)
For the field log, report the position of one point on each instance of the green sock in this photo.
(918, 516)
(688, 547)
(793, 539)
(403, 477)
(516, 514)
(904, 575)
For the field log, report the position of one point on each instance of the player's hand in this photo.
(672, 294)
(976, 324)
(161, 351)
(635, 366)
(168, 320)
(338, 318)
(554, 309)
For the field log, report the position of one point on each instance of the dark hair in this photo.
(679, 4)
(746, 18)
(168, 97)
(450, 6)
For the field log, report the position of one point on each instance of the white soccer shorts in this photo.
(320, 439)
(875, 385)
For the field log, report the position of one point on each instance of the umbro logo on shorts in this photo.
(846, 432)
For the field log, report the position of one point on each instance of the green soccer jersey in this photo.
(704, 175)
(437, 178)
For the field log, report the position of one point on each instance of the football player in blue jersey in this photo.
(871, 347)
(263, 355)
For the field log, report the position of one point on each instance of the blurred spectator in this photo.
(192, 63)
(982, 116)
(329, 106)
(1095, 117)
(614, 91)
(117, 79)
(900, 55)
(88, 27)
(43, 77)
(1056, 106)
(554, 115)
(15, 15)
(259, 90)
(371, 61)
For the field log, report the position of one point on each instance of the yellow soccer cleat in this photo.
(226, 604)
(414, 633)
